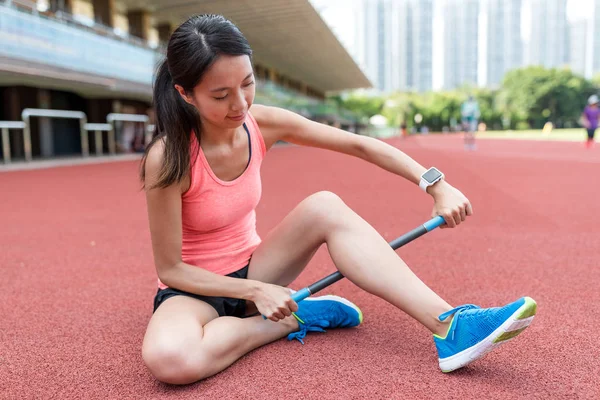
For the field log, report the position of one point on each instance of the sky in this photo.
(578, 8)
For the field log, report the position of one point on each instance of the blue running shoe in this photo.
(317, 313)
(475, 331)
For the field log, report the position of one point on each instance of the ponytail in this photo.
(175, 122)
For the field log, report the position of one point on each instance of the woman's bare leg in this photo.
(186, 340)
(358, 251)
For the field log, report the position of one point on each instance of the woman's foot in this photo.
(317, 313)
(476, 331)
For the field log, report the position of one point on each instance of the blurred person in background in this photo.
(589, 118)
(403, 129)
(469, 112)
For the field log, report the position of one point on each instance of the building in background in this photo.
(461, 42)
(578, 46)
(549, 40)
(374, 57)
(393, 46)
(343, 17)
(420, 45)
(99, 57)
(593, 47)
(504, 47)
(391, 40)
(404, 44)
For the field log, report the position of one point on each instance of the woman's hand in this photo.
(450, 203)
(274, 302)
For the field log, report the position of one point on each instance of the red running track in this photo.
(79, 279)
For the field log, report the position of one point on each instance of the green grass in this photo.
(570, 135)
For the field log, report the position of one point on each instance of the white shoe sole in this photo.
(513, 326)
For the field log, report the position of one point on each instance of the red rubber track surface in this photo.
(78, 279)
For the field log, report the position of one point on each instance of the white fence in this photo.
(5, 126)
(84, 128)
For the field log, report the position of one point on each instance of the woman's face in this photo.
(225, 92)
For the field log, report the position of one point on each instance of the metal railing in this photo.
(115, 117)
(64, 17)
(98, 129)
(5, 126)
(39, 112)
(84, 129)
(73, 48)
(30, 6)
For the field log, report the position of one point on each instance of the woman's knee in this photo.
(325, 209)
(173, 364)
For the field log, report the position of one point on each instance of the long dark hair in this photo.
(193, 47)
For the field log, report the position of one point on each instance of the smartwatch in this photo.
(430, 177)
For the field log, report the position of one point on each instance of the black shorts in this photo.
(225, 306)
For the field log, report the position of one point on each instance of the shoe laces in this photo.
(457, 311)
(305, 328)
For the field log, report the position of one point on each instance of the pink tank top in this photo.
(219, 217)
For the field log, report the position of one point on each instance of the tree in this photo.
(537, 95)
(528, 98)
(362, 105)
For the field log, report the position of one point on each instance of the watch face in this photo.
(432, 175)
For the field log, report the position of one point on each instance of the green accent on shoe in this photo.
(447, 332)
(529, 310)
(509, 335)
(360, 315)
(298, 318)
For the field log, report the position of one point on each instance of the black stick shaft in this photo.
(395, 244)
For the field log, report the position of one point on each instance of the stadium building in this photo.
(97, 58)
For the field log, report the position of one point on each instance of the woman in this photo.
(202, 182)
